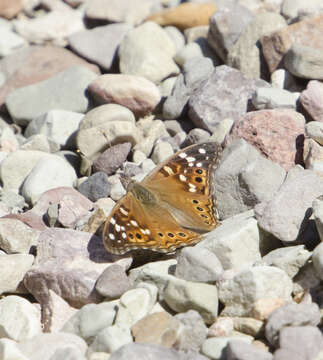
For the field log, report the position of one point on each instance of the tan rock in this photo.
(274, 133)
(185, 16)
(10, 8)
(307, 32)
(313, 156)
(248, 325)
(262, 308)
(312, 99)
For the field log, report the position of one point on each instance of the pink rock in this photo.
(29, 218)
(10, 8)
(134, 92)
(312, 99)
(278, 134)
(36, 63)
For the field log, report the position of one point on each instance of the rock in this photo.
(298, 191)
(91, 319)
(223, 326)
(291, 315)
(206, 107)
(112, 158)
(272, 98)
(63, 91)
(304, 61)
(312, 98)
(282, 79)
(9, 42)
(13, 269)
(304, 342)
(214, 347)
(37, 63)
(244, 178)
(134, 305)
(47, 174)
(10, 8)
(314, 130)
(195, 72)
(189, 51)
(69, 263)
(262, 308)
(181, 295)
(318, 260)
(118, 11)
(11, 199)
(59, 126)
(176, 35)
(40, 142)
(226, 26)
(147, 51)
(249, 326)
(221, 130)
(196, 33)
(91, 44)
(162, 151)
(318, 215)
(68, 353)
(9, 350)
(44, 346)
(113, 282)
(185, 15)
(235, 243)
(294, 10)
(290, 259)
(240, 293)
(282, 150)
(241, 350)
(19, 319)
(8, 140)
(54, 26)
(198, 264)
(244, 55)
(95, 187)
(276, 44)
(132, 91)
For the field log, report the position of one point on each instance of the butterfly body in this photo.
(170, 208)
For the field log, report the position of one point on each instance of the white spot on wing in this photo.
(182, 155)
(123, 211)
(168, 170)
(182, 177)
(190, 159)
(124, 235)
(111, 236)
(112, 221)
(117, 227)
(192, 190)
(202, 151)
(199, 164)
(134, 223)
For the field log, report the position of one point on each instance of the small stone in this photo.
(184, 295)
(95, 187)
(318, 215)
(112, 158)
(65, 91)
(185, 15)
(314, 130)
(312, 99)
(291, 315)
(19, 319)
(196, 33)
(40, 142)
(292, 10)
(135, 92)
(10, 8)
(59, 126)
(119, 11)
(9, 42)
(288, 145)
(264, 307)
(241, 350)
(223, 326)
(113, 282)
(13, 269)
(249, 326)
(272, 98)
(91, 44)
(162, 151)
(305, 62)
(176, 35)
(147, 51)
(9, 350)
(221, 130)
(240, 293)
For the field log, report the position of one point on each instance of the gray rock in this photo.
(147, 51)
(244, 178)
(13, 269)
(271, 98)
(241, 292)
(92, 44)
(298, 191)
(294, 10)
(317, 258)
(304, 62)
(19, 319)
(196, 136)
(65, 91)
(311, 99)
(91, 319)
(195, 72)
(40, 142)
(241, 350)
(304, 342)
(314, 130)
(95, 187)
(235, 243)
(113, 282)
(290, 259)
(318, 215)
(162, 151)
(245, 54)
(9, 42)
(68, 353)
(207, 107)
(11, 199)
(226, 26)
(198, 264)
(44, 346)
(59, 126)
(196, 32)
(290, 315)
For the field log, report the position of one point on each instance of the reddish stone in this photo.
(307, 32)
(278, 134)
(36, 63)
(10, 8)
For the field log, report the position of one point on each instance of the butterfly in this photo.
(170, 208)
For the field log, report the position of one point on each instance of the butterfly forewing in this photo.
(182, 209)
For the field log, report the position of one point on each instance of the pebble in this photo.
(64, 91)
(10, 42)
(96, 186)
(10, 8)
(296, 10)
(311, 99)
(162, 151)
(272, 98)
(318, 215)
(241, 350)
